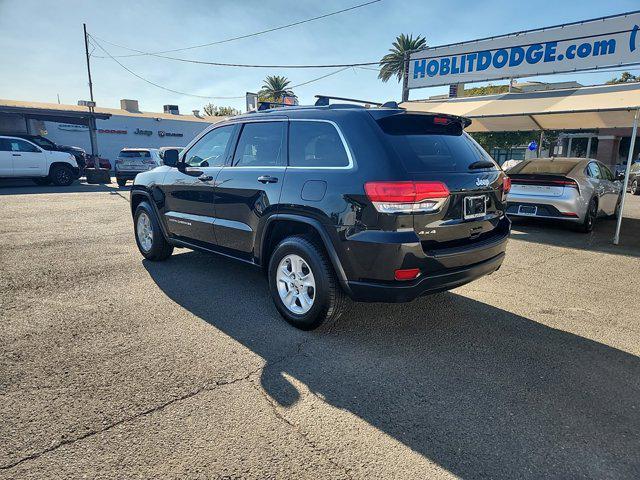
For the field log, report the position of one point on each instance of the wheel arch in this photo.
(138, 196)
(279, 226)
(56, 163)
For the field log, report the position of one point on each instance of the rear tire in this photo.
(42, 181)
(149, 236)
(121, 182)
(590, 217)
(61, 175)
(635, 188)
(328, 301)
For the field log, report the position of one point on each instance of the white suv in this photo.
(20, 158)
(132, 161)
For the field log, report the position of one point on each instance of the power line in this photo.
(95, 43)
(262, 32)
(248, 65)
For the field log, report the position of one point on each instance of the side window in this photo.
(316, 144)
(4, 145)
(16, 145)
(209, 151)
(605, 172)
(593, 170)
(261, 144)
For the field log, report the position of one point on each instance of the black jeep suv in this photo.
(377, 204)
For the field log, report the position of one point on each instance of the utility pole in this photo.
(405, 78)
(92, 120)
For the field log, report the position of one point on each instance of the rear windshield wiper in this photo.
(481, 164)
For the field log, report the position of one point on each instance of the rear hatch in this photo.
(434, 149)
(135, 160)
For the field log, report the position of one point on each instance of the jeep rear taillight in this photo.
(407, 197)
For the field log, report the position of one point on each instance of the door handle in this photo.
(16, 154)
(267, 179)
(205, 178)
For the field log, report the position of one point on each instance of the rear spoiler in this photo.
(379, 114)
(543, 180)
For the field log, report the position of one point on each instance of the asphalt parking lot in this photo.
(115, 367)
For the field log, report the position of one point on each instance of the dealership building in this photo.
(115, 128)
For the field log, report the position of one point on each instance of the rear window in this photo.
(135, 154)
(543, 167)
(316, 144)
(426, 146)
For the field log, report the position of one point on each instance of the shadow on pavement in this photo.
(27, 187)
(481, 391)
(564, 235)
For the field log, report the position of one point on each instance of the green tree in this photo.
(626, 77)
(211, 110)
(392, 64)
(488, 90)
(274, 88)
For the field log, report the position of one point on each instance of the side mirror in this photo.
(171, 158)
(620, 176)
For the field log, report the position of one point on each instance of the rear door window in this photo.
(316, 144)
(594, 170)
(261, 144)
(424, 145)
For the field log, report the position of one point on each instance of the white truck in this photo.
(20, 158)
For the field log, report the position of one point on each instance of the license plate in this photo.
(527, 210)
(475, 207)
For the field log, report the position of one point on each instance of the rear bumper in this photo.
(441, 269)
(127, 175)
(549, 207)
(447, 280)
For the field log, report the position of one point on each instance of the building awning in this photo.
(586, 108)
(61, 115)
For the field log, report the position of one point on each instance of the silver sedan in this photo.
(577, 190)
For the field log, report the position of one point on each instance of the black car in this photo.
(634, 178)
(335, 201)
(79, 154)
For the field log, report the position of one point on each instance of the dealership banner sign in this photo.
(605, 42)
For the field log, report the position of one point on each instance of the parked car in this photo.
(20, 158)
(132, 161)
(634, 179)
(102, 162)
(576, 190)
(79, 154)
(161, 151)
(380, 204)
(621, 168)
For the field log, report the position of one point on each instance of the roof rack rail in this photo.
(323, 100)
(268, 105)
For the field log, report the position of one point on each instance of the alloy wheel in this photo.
(296, 284)
(144, 231)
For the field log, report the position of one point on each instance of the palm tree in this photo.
(274, 88)
(393, 62)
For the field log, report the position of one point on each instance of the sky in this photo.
(42, 46)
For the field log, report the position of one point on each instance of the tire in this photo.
(328, 299)
(42, 181)
(121, 181)
(148, 234)
(635, 188)
(61, 175)
(590, 217)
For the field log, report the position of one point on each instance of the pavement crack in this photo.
(314, 446)
(154, 409)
